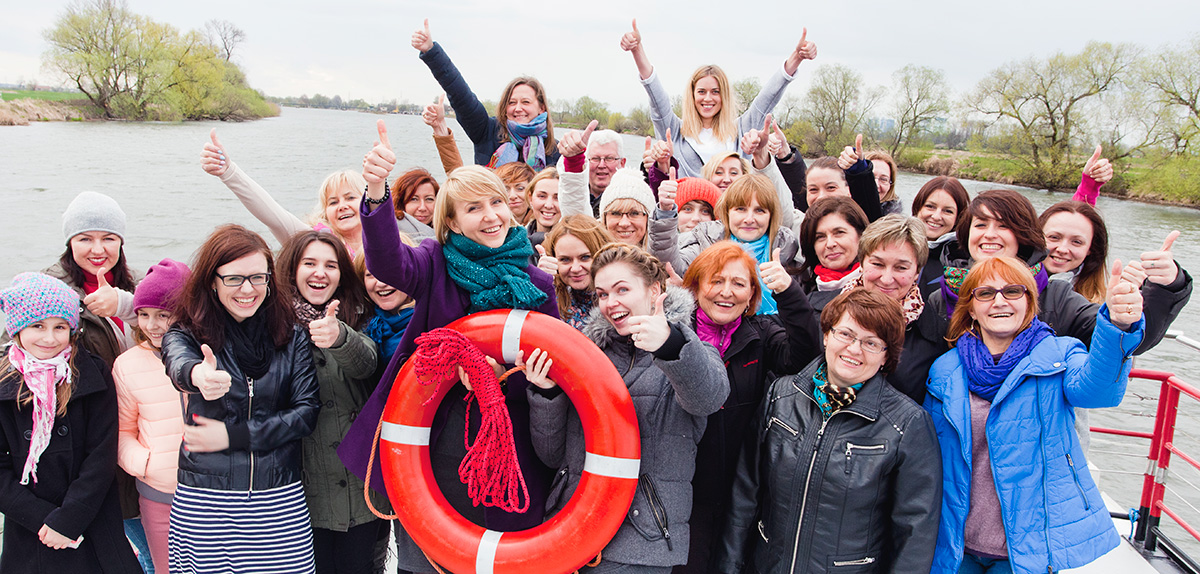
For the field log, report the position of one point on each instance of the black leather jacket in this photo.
(266, 418)
(860, 492)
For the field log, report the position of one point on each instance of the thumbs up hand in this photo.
(1124, 300)
(422, 39)
(805, 50)
(545, 262)
(1160, 265)
(104, 300)
(649, 332)
(851, 155)
(212, 382)
(378, 163)
(212, 157)
(325, 331)
(1098, 168)
(632, 40)
(774, 275)
(667, 190)
(575, 142)
(434, 116)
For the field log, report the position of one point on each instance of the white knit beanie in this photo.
(628, 184)
(91, 211)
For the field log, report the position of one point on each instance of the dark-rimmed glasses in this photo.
(1010, 292)
(236, 281)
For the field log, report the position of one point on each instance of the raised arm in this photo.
(435, 117)
(758, 144)
(693, 367)
(770, 94)
(215, 161)
(632, 42)
(861, 180)
(574, 198)
(1096, 172)
(468, 110)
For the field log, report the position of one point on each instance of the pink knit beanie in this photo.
(161, 286)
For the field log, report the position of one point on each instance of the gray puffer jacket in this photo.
(674, 390)
(670, 246)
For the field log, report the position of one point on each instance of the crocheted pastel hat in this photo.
(34, 297)
(161, 286)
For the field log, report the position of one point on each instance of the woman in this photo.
(393, 308)
(723, 279)
(569, 249)
(516, 177)
(844, 176)
(336, 199)
(150, 426)
(331, 304)
(883, 167)
(1015, 479)
(625, 205)
(542, 198)
(1077, 247)
(709, 125)
(829, 238)
(675, 379)
(723, 168)
(415, 191)
(844, 476)
(521, 131)
(940, 205)
(748, 214)
(58, 430)
(252, 396)
(478, 261)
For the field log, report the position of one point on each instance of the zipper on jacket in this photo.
(1086, 505)
(804, 493)
(859, 562)
(657, 509)
(850, 448)
(775, 420)
(249, 416)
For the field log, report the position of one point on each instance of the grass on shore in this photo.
(9, 95)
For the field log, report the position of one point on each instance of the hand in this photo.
(663, 150)
(774, 275)
(324, 332)
(1124, 300)
(212, 382)
(466, 380)
(212, 159)
(1098, 168)
(673, 278)
(422, 39)
(805, 50)
(53, 539)
(851, 155)
(648, 155)
(545, 262)
(538, 369)
(104, 300)
(666, 192)
(206, 435)
(649, 332)
(434, 116)
(632, 40)
(1160, 265)
(575, 141)
(378, 163)
(762, 155)
(777, 142)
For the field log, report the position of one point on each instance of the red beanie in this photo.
(691, 188)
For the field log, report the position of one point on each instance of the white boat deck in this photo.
(1124, 559)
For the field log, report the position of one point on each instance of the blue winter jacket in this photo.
(1052, 511)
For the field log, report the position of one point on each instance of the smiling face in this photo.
(883, 176)
(849, 363)
(92, 250)
(727, 171)
(483, 220)
(990, 237)
(1068, 240)
(726, 295)
(574, 262)
(420, 205)
(1001, 318)
(825, 182)
(938, 214)
(694, 213)
(706, 95)
(543, 203)
(516, 200)
(603, 161)
(523, 105)
(318, 274)
(749, 222)
(383, 295)
(891, 270)
(243, 301)
(622, 294)
(836, 242)
(625, 220)
(154, 324)
(45, 339)
(341, 210)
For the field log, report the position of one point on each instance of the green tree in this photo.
(745, 90)
(837, 104)
(1173, 76)
(919, 96)
(587, 109)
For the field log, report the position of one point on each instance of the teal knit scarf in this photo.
(495, 278)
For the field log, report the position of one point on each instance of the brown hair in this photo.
(502, 110)
(952, 187)
(350, 292)
(740, 192)
(405, 187)
(1007, 268)
(843, 206)
(874, 312)
(201, 312)
(587, 230)
(713, 260)
(878, 154)
(1010, 208)
(549, 172)
(1092, 280)
(894, 228)
(827, 162)
(648, 267)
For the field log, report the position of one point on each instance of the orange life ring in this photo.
(588, 521)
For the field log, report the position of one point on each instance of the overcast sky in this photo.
(360, 48)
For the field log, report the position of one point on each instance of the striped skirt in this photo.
(236, 532)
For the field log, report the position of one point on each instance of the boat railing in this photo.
(1153, 505)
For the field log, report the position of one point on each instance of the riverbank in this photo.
(21, 112)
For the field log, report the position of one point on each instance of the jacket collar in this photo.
(1046, 358)
(680, 309)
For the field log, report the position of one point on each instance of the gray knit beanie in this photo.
(91, 211)
(628, 184)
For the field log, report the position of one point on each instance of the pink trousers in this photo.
(156, 520)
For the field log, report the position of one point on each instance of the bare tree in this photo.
(837, 103)
(1173, 75)
(920, 96)
(745, 90)
(225, 36)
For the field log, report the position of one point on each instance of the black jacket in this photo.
(862, 489)
(75, 493)
(266, 418)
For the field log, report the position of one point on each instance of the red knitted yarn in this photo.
(490, 470)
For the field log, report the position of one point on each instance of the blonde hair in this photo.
(739, 193)
(467, 183)
(715, 161)
(334, 182)
(725, 123)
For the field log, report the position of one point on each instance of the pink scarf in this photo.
(41, 377)
(720, 336)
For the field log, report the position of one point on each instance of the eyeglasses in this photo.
(1010, 292)
(885, 180)
(870, 345)
(619, 215)
(606, 159)
(236, 281)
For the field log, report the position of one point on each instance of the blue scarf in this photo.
(761, 250)
(495, 278)
(387, 328)
(529, 139)
(985, 375)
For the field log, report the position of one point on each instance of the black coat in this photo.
(860, 492)
(266, 419)
(75, 493)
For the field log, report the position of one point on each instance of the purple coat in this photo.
(421, 273)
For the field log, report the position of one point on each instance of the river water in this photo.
(153, 171)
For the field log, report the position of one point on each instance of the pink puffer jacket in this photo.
(151, 418)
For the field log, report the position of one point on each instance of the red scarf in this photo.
(91, 284)
(827, 274)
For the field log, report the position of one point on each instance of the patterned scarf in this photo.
(495, 278)
(985, 375)
(952, 280)
(387, 328)
(41, 378)
(830, 280)
(719, 336)
(580, 309)
(912, 304)
(761, 250)
(307, 312)
(529, 138)
(830, 397)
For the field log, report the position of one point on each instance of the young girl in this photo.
(58, 433)
(151, 423)
(567, 255)
(542, 198)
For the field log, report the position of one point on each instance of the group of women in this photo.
(821, 383)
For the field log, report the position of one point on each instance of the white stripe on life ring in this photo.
(404, 434)
(510, 341)
(611, 466)
(485, 559)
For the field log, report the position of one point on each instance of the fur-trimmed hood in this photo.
(680, 309)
